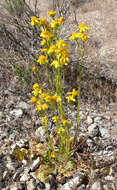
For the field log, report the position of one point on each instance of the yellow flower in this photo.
(64, 122)
(70, 99)
(61, 43)
(44, 120)
(56, 64)
(52, 13)
(84, 37)
(33, 100)
(73, 93)
(52, 49)
(45, 96)
(36, 89)
(44, 50)
(61, 130)
(53, 155)
(42, 107)
(35, 86)
(55, 24)
(55, 119)
(46, 35)
(34, 20)
(54, 99)
(42, 21)
(75, 36)
(83, 28)
(34, 68)
(42, 59)
(43, 42)
(61, 19)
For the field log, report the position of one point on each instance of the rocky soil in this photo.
(19, 124)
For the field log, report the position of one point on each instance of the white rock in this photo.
(89, 120)
(30, 185)
(96, 186)
(93, 129)
(17, 113)
(72, 184)
(16, 186)
(104, 132)
(35, 164)
(47, 186)
(40, 133)
(97, 119)
(23, 105)
(12, 166)
(109, 178)
(25, 177)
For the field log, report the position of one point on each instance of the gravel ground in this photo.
(19, 123)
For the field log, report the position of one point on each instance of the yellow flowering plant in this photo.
(55, 57)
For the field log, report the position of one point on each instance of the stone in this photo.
(16, 112)
(35, 164)
(104, 132)
(96, 186)
(98, 120)
(12, 136)
(5, 174)
(109, 178)
(12, 166)
(16, 186)
(89, 120)
(30, 185)
(25, 177)
(23, 105)
(40, 133)
(93, 130)
(72, 184)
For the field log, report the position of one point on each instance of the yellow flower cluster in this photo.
(50, 99)
(44, 120)
(36, 89)
(42, 59)
(60, 52)
(55, 24)
(72, 95)
(41, 99)
(81, 34)
(52, 13)
(64, 122)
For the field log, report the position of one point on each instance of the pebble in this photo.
(35, 164)
(72, 184)
(16, 186)
(12, 166)
(93, 129)
(109, 178)
(25, 177)
(98, 119)
(23, 105)
(104, 132)
(96, 186)
(40, 133)
(16, 112)
(30, 185)
(89, 120)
